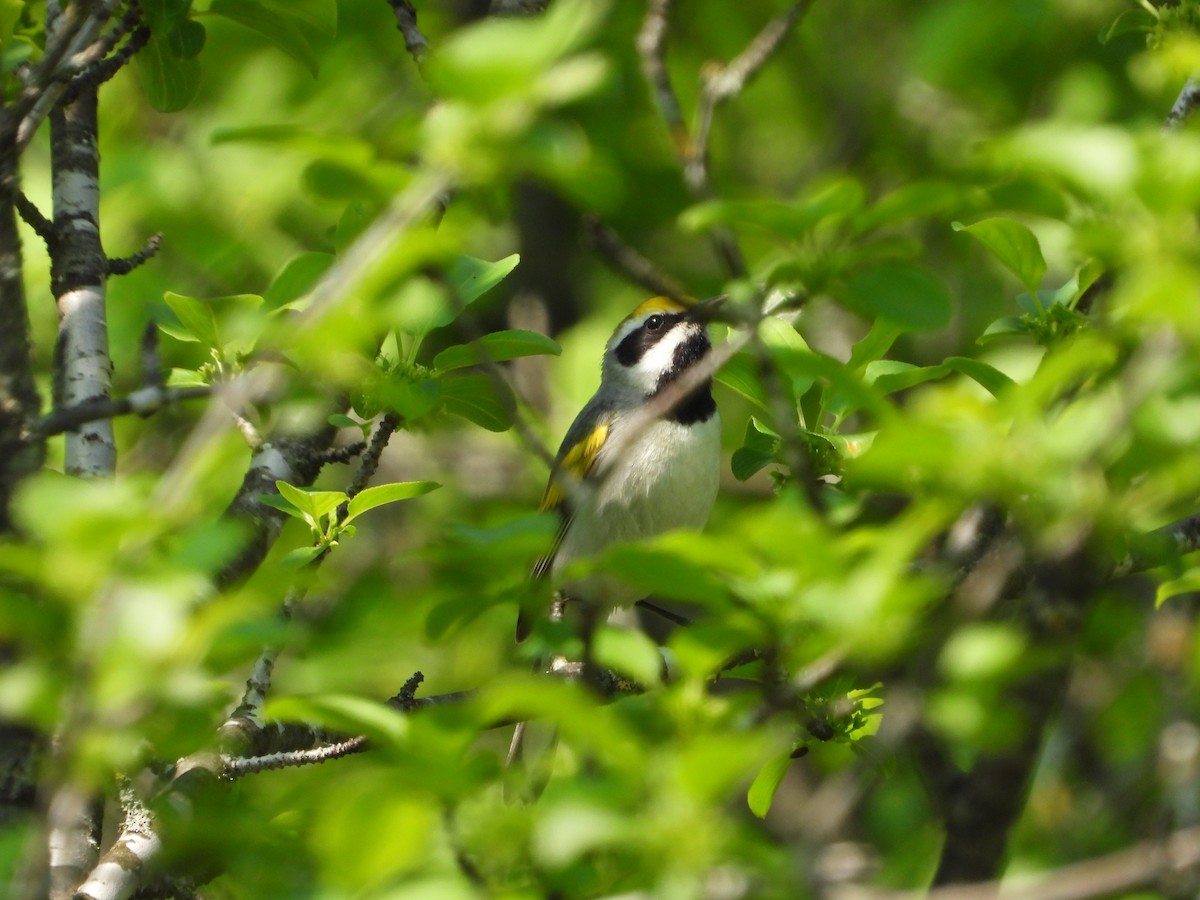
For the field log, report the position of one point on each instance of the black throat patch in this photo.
(698, 405)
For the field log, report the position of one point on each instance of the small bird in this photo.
(623, 473)
(620, 474)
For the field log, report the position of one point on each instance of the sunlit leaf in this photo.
(1013, 244)
(196, 316)
(372, 497)
(766, 783)
(471, 278)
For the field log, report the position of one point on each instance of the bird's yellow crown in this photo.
(657, 305)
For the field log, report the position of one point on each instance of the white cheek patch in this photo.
(660, 358)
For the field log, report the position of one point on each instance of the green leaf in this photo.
(471, 278)
(1013, 244)
(988, 377)
(1185, 584)
(316, 504)
(740, 374)
(196, 316)
(300, 557)
(319, 15)
(908, 296)
(759, 449)
(914, 201)
(497, 347)
(631, 653)
(479, 399)
(170, 82)
(187, 39)
(275, 501)
(10, 14)
(1128, 22)
(1004, 326)
(413, 398)
(889, 376)
(275, 24)
(297, 278)
(766, 783)
(663, 571)
(387, 493)
(878, 341)
(783, 342)
(186, 378)
(343, 712)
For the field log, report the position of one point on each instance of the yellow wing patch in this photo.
(659, 305)
(577, 462)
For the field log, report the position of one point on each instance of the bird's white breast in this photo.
(666, 478)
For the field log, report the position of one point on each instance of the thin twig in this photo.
(406, 20)
(35, 218)
(143, 402)
(721, 83)
(1185, 104)
(652, 47)
(630, 263)
(1142, 865)
(123, 265)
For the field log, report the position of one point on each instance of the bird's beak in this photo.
(708, 309)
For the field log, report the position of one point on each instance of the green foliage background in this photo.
(936, 180)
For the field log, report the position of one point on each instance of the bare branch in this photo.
(652, 47)
(406, 20)
(1185, 105)
(237, 767)
(1143, 865)
(143, 402)
(121, 868)
(105, 69)
(721, 83)
(123, 265)
(370, 461)
(72, 46)
(35, 218)
(627, 261)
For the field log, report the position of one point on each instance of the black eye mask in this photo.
(639, 341)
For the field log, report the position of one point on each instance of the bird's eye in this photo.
(655, 322)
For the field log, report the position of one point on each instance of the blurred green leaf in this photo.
(1129, 22)
(766, 783)
(1013, 244)
(913, 201)
(170, 82)
(472, 278)
(906, 295)
(1188, 583)
(345, 713)
(277, 24)
(297, 278)
(479, 399)
(498, 346)
(629, 653)
(196, 316)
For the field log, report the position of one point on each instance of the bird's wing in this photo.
(576, 460)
